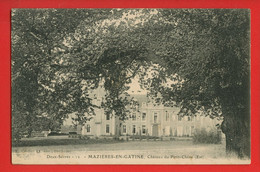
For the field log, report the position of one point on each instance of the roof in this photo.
(140, 98)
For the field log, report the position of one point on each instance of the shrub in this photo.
(141, 137)
(209, 137)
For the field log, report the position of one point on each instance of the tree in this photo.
(109, 53)
(203, 53)
(208, 59)
(56, 61)
(37, 89)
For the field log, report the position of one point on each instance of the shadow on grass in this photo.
(54, 142)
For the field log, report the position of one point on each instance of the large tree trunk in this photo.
(236, 127)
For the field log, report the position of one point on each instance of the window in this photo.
(143, 129)
(134, 129)
(107, 128)
(88, 128)
(167, 116)
(98, 102)
(192, 130)
(124, 128)
(173, 117)
(107, 116)
(155, 117)
(143, 116)
(134, 117)
(189, 118)
(179, 118)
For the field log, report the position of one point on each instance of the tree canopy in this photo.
(59, 55)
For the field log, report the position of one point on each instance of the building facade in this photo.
(148, 119)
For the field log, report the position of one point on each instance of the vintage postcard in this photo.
(130, 86)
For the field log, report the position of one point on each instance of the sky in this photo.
(135, 87)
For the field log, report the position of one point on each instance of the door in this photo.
(98, 132)
(155, 130)
(179, 131)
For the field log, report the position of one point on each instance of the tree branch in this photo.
(35, 36)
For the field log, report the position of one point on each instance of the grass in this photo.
(33, 148)
(145, 147)
(75, 144)
(60, 141)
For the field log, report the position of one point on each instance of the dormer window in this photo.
(134, 117)
(155, 117)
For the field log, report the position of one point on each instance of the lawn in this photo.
(76, 151)
(59, 140)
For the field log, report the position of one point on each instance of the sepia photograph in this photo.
(130, 86)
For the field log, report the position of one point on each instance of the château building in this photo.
(148, 118)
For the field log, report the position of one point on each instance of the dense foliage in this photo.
(197, 59)
(202, 136)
